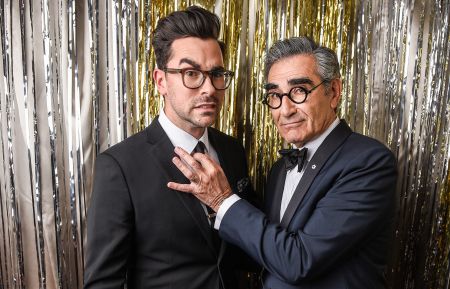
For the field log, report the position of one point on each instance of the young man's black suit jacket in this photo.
(159, 237)
(337, 228)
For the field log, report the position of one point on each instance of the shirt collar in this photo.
(179, 137)
(313, 145)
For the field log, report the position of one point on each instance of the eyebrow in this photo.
(291, 82)
(301, 80)
(189, 61)
(270, 85)
(197, 66)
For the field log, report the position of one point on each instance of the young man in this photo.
(329, 207)
(139, 231)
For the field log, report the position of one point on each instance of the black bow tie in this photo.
(292, 157)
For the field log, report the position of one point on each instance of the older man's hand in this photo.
(208, 181)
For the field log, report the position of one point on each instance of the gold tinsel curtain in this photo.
(76, 79)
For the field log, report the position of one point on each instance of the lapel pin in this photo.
(313, 167)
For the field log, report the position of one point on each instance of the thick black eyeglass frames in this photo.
(194, 78)
(296, 94)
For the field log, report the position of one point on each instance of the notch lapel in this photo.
(276, 186)
(221, 151)
(163, 151)
(325, 150)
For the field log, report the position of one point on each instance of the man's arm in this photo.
(109, 223)
(359, 203)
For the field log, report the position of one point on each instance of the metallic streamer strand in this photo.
(76, 78)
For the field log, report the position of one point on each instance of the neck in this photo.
(192, 129)
(196, 132)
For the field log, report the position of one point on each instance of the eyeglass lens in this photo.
(296, 94)
(193, 78)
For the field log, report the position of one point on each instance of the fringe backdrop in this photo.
(75, 78)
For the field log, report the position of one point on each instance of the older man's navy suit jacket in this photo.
(336, 231)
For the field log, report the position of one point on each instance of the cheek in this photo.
(318, 117)
(180, 96)
(220, 96)
(313, 116)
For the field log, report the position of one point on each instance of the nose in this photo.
(207, 86)
(287, 107)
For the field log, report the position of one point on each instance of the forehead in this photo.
(205, 52)
(297, 66)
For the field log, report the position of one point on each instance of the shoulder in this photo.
(359, 142)
(129, 149)
(128, 144)
(359, 148)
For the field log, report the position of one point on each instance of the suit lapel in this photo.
(221, 153)
(163, 151)
(325, 150)
(276, 186)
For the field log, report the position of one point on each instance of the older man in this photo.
(330, 200)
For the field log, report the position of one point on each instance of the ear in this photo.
(335, 91)
(159, 77)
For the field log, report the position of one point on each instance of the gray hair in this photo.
(326, 59)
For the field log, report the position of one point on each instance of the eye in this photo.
(298, 90)
(218, 73)
(272, 94)
(192, 73)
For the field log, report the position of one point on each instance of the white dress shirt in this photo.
(184, 140)
(292, 178)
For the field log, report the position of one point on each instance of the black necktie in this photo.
(201, 148)
(292, 157)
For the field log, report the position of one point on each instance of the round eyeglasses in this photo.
(194, 78)
(296, 94)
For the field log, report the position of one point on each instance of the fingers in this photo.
(198, 160)
(179, 187)
(199, 167)
(208, 181)
(210, 169)
(185, 169)
(206, 162)
(187, 158)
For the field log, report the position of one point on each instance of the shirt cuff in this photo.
(226, 204)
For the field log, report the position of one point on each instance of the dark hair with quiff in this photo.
(192, 22)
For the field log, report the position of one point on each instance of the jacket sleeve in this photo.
(109, 223)
(358, 201)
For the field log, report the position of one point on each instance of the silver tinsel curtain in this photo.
(76, 79)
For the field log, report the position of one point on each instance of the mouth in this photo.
(206, 106)
(292, 124)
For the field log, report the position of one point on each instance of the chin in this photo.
(205, 122)
(207, 118)
(294, 140)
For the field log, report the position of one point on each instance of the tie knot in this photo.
(199, 148)
(293, 157)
